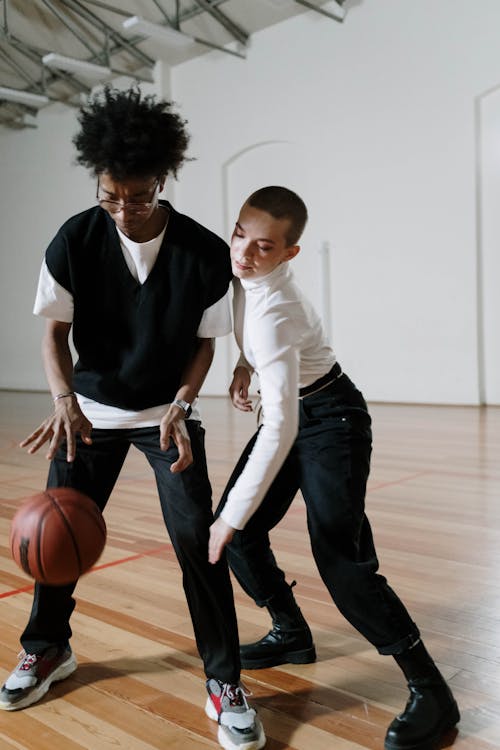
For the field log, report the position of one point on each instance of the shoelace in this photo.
(27, 660)
(236, 694)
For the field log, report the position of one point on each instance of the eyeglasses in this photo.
(134, 208)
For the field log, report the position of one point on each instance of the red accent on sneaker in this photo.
(216, 700)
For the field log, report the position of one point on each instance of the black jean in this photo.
(186, 504)
(329, 462)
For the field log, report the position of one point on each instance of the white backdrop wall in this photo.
(375, 123)
(381, 110)
(41, 186)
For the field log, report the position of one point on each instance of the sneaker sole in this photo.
(224, 740)
(63, 670)
(432, 742)
(304, 656)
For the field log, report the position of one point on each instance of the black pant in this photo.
(329, 462)
(186, 500)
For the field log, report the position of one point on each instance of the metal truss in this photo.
(95, 26)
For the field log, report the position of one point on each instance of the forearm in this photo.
(57, 359)
(195, 373)
(67, 419)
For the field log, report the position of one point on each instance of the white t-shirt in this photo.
(55, 302)
(281, 338)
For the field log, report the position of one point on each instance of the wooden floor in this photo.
(434, 503)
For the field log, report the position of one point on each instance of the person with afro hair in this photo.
(144, 291)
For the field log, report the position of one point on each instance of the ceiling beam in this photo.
(239, 34)
(335, 15)
(164, 13)
(115, 35)
(36, 57)
(20, 71)
(66, 22)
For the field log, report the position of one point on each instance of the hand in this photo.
(238, 390)
(220, 535)
(66, 422)
(173, 425)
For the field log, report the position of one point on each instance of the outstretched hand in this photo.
(238, 390)
(173, 426)
(65, 423)
(220, 535)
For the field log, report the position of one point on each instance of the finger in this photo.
(54, 444)
(214, 551)
(237, 400)
(30, 438)
(70, 444)
(243, 405)
(165, 436)
(86, 433)
(185, 459)
(42, 438)
(180, 436)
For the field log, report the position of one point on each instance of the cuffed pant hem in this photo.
(400, 646)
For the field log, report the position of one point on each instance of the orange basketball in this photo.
(57, 535)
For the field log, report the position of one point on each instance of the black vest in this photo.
(134, 341)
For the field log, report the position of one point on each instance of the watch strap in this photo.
(184, 405)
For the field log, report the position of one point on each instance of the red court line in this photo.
(398, 481)
(148, 553)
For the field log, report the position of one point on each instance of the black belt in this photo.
(321, 383)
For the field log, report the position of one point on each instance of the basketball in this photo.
(57, 535)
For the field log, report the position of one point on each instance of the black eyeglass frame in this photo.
(114, 206)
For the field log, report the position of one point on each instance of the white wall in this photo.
(41, 186)
(488, 151)
(378, 114)
(382, 109)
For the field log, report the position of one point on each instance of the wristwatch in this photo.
(186, 408)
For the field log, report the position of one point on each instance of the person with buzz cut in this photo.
(315, 436)
(144, 291)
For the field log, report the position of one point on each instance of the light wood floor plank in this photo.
(433, 503)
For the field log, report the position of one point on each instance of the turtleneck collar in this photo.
(281, 271)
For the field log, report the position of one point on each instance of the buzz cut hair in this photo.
(282, 203)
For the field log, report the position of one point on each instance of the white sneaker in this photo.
(239, 725)
(34, 675)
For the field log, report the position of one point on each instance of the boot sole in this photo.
(431, 743)
(304, 656)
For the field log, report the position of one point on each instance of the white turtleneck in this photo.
(281, 338)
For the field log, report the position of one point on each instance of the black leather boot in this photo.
(431, 709)
(288, 642)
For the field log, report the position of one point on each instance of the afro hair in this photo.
(130, 135)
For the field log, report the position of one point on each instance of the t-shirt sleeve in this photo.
(216, 320)
(52, 300)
